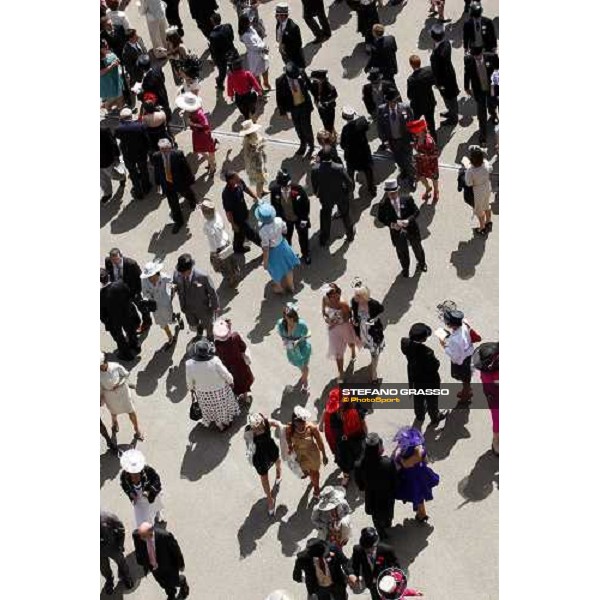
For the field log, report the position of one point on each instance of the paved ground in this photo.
(213, 498)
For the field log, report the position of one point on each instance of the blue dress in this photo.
(282, 258)
(414, 484)
(111, 84)
(298, 355)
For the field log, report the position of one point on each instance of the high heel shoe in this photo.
(423, 519)
(436, 196)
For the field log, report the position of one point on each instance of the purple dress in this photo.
(414, 484)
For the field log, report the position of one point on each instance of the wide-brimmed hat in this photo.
(416, 126)
(454, 317)
(207, 205)
(331, 497)
(283, 177)
(265, 212)
(391, 584)
(301, 413)
(221, 330)
(487, 357)
(419, 331)
(125, 114)
(348, 113)
(151, 268)
(132, 461)
(373, 440)
(282, 9)
(188, 102)
(255, 420)
(203, 350)
(248, 127)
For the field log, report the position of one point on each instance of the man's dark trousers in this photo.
(302, 125)
(322, 29)
(173, 200)
(402, 152)
(140, 177)
(119, 558)
(401, 240)
(244, 232)
(302, 236)
(325, 220)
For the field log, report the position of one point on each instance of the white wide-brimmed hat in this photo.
(188, 102)
(301, 413)
(221, 330)
(151, 268)
(132, 461)
(249, 127)
(331, 496)
(348, 112)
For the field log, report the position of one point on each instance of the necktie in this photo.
(168, 172)
(393, 115)
(294, 85)
(322, 565)
(151, 553)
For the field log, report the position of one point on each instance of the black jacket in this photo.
(338, 563)
(150, 481)
(300, 201)
(130, 56)
(422, 364)
(154, 81)
(375, 309)
(109, 149)
(385, 557)
(367, 95)
(383, 56)
(419, 89)
(355, 144)
(134, 140)
(405, 114)
(386, 213)
(291, 44)
(183, 177)
(202, 9)
(488, 34)
(168, 554)
(116, 306)
(283, 93)
(324, 94)
(378, 481)
(472, 77)
(443, 70)
(220, 42)
(131, 274)
(112, 534)
(330, 183)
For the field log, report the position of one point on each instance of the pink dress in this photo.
(340, 335)
(492, 393)
(202, 139)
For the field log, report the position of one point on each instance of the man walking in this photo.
(153, 81)
(314, 10)
(173, 174)
(288, 36)
(133, 49)
(419, 89)
(110, 164)
(444, 73)
(479, 31)
(112, 546)
(332, 185)
(201, 11)
(157, 550)
(399, 213)
(383, 53)
(222, 49)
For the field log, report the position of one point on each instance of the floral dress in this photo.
(426, 158)
(255, 160)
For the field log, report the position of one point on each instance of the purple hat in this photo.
(408, 437)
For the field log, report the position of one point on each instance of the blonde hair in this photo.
(362, 290)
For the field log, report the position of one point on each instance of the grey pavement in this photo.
(213, 498)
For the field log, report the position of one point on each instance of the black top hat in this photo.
(374, 74)
(454, 317)
(368, 537)
(373, 440)
(316, 547)
(319, 73)
(391, 94)
(419, 331)
(283, 177)
(476, 9)
(184, 263)
(437, 32)
(143, 61)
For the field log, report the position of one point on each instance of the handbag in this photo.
(475, 337)
(195, 410)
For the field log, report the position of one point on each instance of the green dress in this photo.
(298, 355)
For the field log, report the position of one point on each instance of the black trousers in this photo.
(139, 174)
(382, 523)
(403, 157)
(172, 15)
(302, 236)
(170, 582)
(452, 106)
(368, 171)
(485, 104)
(325, 220)
(327, 115)
(401, 240)
(125, 336)
(374, 593)
(221, 65)
(322, 29)
(173, 200)
(143, 308)
(204, 24)
(426, 404)
(336, 591)
(246, 103)
(119, 558)
(302, 125)
(244, 232)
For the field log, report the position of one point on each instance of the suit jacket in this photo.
(199, 296)
(149, 480)
(422, 364)
(472, 77)
(116, 306)
(331, 183)
(183, 177)
(220, 42)
(488, 34)
(135, 144)
(109, 149)
(202, 9)
(324, 94)
(386, 213)
(154, 81)
(283, 93)
(112, 534)
(300, 201)
(383, 56)
(131, 274)
(130, 56)
(385, 557)
(168, 553)
(443, 70)
(291, 44)
(367, 95)
(355, 144)
(419, 89)
(383, 121)
(338, 563)
(378, 481)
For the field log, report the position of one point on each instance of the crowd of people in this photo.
(219, 376)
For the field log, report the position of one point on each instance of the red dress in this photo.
(231, 352)
(427, 158)
(202, 139)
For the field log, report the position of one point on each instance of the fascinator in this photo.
(407, 438)
(290, 307)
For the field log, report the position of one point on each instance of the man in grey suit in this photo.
(332, 185)
(112, 540)
(197, 296)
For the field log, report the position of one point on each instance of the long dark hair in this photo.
(244, 24)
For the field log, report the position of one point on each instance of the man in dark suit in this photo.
(172, 15)
(292, 93)
(237, 213)
(153, 81)
(291, 204)
(479, 67)
(222, 49)
(419, 89)
(333, 187)
(355, 144)
(134, 48)
(479, 31)
(369, 559)
(110, 163)
(314, 10)
(373, 93)
(120, 267)
(201, 11)
(391, 125)
(287, 35)
(444, 74)
(383, 53)
(157, 550)
(173, 174)
(325, 569)
(118, 315)
(112, 546)
(399, 213)
(135, 146)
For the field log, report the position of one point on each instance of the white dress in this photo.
(161, 294)
(117, 401)
(143, 510)
(257, 58)
(479, 179)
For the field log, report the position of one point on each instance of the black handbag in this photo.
(195, 410)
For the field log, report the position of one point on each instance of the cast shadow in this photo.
(298, 526)
(147, 380)
(290, 397)
(339, 14)
(110, 466)
(454, 32)
(444, 134)
(409, 540)
(326, 266)
(399, 297)
(310, 51)
(479, 483)
(425, 41)
(463, 148)
(233, 164)
(176, 385)
(110, 210)
(439, 442)
(299, 171)
(355, 64)
(135, 571)
(278, 123)
(256, 525)
(165, 241)
(426, 214)
(468, 255)
(134, 213)
(390, 12)
(271, 310)
(221, 112)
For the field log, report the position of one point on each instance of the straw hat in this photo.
(132, 461)
(151, 268)
(249, 127)
(331, 497)
(188, 102)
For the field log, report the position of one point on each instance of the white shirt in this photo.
(207, 375)
(215, 233)
(459, 345)
(272, 233)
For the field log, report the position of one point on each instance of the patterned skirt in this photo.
(218, 406)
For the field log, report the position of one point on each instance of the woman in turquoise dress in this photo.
(295, 333)
(111, 81)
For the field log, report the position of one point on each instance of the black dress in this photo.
(267, 452)
(348, 449)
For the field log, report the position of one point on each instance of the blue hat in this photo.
(265, 213)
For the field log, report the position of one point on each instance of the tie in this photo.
(294, 85)
(119, 272)
(168, 172)
(477, 27)
(151, 553)
(393, 115)
(322, 565)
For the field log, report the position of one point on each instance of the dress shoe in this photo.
(176, 227)
(109, 588)
(422, 267)
(404, 273)
(350, 237)
(300, 151)
(184, 592)
(442, 414)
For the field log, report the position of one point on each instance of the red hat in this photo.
(333, 402)
(417, 126)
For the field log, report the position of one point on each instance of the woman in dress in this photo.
(295, 333)
(305, 443)
(142, 486)
(190, 69)
(255, 157)
(257, 57)
(337, 315)
(477, 177)
(415, 478)
(116, 395)
(331, 516)
(426, 158)
(263, 453)
(486, 359)
(155, 120)
(209, 380)
(203, 142)
(233, 352)
(243, 87)
(278, 257)
(111, 81)
(176, 53)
